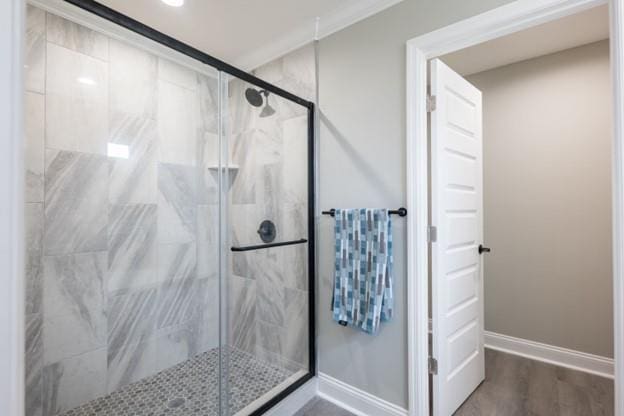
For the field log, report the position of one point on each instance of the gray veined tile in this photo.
(271, 195)
(133, 177)
(133, 80)
(34, 126)
(295, 160)
(177, 303)
(177, 74)
(35, 49)
(295, 343)
(177, 261)
(133, 247)
(131, 362)
(206, 327)
(33, 364)
(177, 203)
(76, 37)
(73, 381)
(131, 317)
(242, 313)
(299, 65)
(178, 124)
(207, 240)
(209, 103)
(243, 189)
(76, 101)
(75, 202)
(74, 303)
(270, 306)
(33, 224)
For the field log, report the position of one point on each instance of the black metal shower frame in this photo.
(120, 19)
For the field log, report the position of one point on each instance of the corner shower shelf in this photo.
(231, 168)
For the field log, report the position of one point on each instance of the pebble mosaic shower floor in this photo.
(190, 388)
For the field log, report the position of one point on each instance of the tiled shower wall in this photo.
(269, 288)
(121, 251)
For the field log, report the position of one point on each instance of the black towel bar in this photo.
(401, 212)
(269, 245)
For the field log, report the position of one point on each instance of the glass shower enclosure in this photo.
(169, 224)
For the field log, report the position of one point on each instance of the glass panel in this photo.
(267, 311)
(122, 213)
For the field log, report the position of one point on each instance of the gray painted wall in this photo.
(547, 199)
(362, 164)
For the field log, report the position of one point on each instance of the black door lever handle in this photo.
(483, 249)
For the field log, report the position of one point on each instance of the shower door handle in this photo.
(269, 245)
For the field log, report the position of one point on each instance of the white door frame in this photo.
(11, 209)
(493, 24)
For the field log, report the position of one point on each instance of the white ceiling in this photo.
(248, 33)
(568, 32)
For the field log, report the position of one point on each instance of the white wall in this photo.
(362, 164)
(547, 199)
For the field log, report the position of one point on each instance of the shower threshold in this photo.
(192, 388)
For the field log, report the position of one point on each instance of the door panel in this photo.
(457, 212)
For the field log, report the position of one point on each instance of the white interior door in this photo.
(457, 214)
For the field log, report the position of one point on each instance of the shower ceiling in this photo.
(248, 33)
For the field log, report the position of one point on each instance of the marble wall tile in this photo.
(270, 301)
(208, 150)
(74, 303)
(174, 345)
(131, 317)
(133, 80)
(295, 341)
(33, 364)
(207, 240)
(35, 48)
(295, 160)
(300, 66)
(132, 246)
(76, 37)
(73, 381)
(242, 313)
(271, 197)
(177, 303)
(76, 101)
(177, 74)
(133, 180)
(33, 227)
(34, 126)
(294, 266)
(243, 190)
(209, 103)
(75, 202)
(177, 261)
(206, 328)
(131, 362)
(178, 124)
(177, 203)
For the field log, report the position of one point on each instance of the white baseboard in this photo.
(295, 400)
(355, 400)
(562, 357)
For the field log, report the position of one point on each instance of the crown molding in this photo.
(304, 34)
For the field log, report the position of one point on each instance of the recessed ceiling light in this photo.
(173, 3)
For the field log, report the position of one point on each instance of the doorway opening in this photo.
(519, 161)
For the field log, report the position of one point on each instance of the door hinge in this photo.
(432, 234)
(431, 103)
(433, 366)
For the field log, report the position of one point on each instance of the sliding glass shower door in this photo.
(168, 240)
(268, 241)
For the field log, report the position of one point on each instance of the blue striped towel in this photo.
(363, 275)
